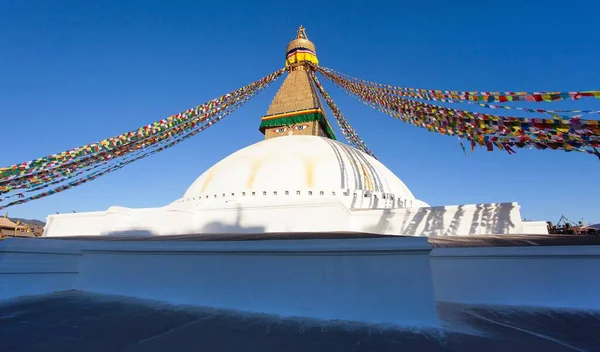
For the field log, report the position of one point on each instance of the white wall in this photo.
(37, 266)
(372, 280)
(552, 277)
(369, 280)
(147, 222)
(535, 227)
(297, 215)
(75, 224)
(378, 281)
(456, 220)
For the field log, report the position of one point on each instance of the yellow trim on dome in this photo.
(298, 57)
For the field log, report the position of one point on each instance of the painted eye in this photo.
(280, 130)
(301, 127)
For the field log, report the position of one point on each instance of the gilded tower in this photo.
(296, 108)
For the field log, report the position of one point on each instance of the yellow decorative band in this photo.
(297, 57)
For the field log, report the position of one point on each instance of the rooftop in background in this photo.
(20, 227)
(6, 223)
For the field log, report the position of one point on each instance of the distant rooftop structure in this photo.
(10, 228)
(7, 224)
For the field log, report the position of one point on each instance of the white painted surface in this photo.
(369, 280)
(312, 215)
(535, 227)
(372, 280)
(297, 184)
(75, 223)
(552, 277)
(298, 164)
(32, 267)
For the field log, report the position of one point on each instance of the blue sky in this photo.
(74, 72)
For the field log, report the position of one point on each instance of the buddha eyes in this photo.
(297, 128)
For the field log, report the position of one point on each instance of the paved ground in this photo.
(75, 321)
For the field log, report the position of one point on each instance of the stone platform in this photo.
(369, 279)
(340, 276)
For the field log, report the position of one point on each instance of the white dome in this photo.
(301, 165)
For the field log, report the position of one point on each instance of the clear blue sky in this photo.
(74, 72)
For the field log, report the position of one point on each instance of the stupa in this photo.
(302, 225)
(299, 171)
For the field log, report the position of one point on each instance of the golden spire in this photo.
(301, 33)
(296, 108)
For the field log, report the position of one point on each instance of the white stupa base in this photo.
(313, 214)
(298, 184)
(378, 280)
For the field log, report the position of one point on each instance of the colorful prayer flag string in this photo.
(35, 178)
(122, 163)
(55, 160)
(349, 133)
(117, 161)
(572, 134)
(487, 97)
